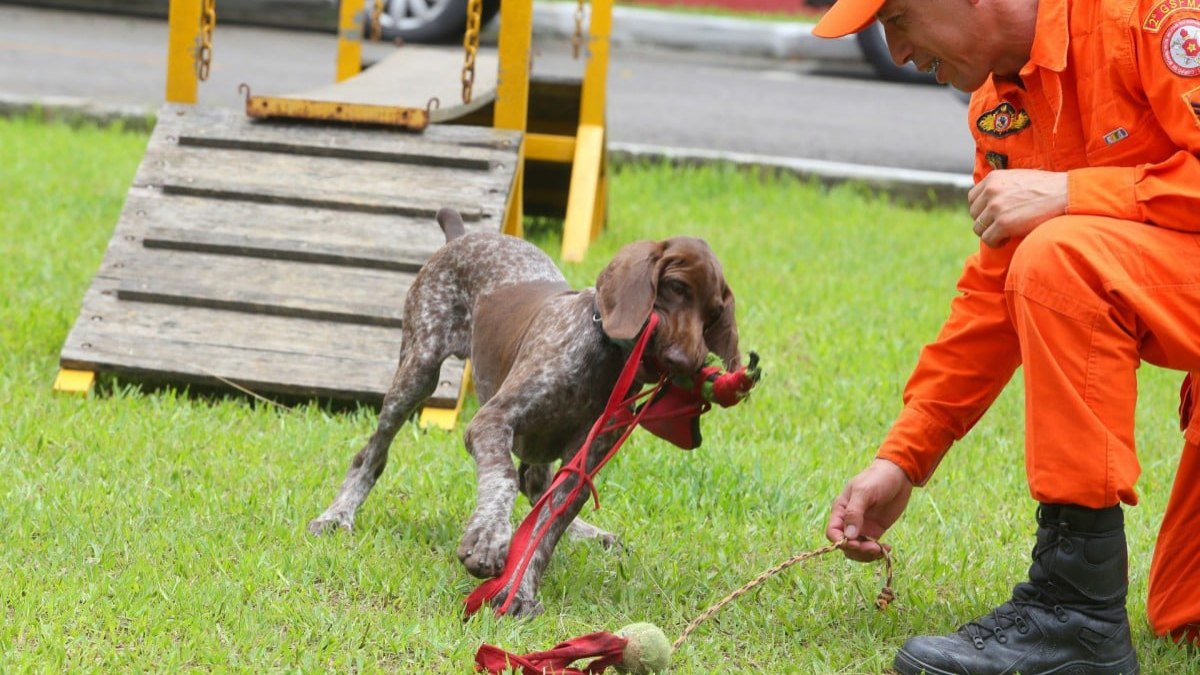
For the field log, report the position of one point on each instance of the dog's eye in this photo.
(676, 287)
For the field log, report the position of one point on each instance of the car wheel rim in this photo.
(412, 14)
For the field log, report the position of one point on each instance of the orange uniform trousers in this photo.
(1091, 297)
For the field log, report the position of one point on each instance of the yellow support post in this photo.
(512, 94)
(184, 30)
(550, 147)
(74, 381)
(445, 418)
(595, 75)
(584, 197)
(600, 213)
(588, 193)
(350, 37)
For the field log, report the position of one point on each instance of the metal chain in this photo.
(577, 38)
(208, 21)
(471, 46)
(376, 15)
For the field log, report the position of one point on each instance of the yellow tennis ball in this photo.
(648, 650)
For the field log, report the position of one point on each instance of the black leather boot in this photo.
(1068, 619)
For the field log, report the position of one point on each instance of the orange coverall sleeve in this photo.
(1164, 193)
(959, 375)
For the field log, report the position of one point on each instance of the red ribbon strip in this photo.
(609, 647)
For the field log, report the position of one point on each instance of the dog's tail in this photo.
(451, 222)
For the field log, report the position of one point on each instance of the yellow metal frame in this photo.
(74, 381)
(587, 199)
(413, 119)
(350, 37)
(183, 33)
(512, 96)
(446, 418)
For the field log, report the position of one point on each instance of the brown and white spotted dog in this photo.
(546, 359)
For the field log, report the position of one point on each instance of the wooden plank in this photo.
(278, 288)
(458, 146)
(266, 354)
(282, 247)
(182, 222)
(319, 182)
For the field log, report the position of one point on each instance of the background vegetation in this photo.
(161, 530)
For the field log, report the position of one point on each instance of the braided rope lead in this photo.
(885, 597)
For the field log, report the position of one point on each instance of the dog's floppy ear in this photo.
(626, 289)
(721, 335)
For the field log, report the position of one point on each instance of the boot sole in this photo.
(906, 664)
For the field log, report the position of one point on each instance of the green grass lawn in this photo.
(162, 531)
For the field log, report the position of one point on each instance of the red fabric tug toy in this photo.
(638, 648)
(674, 413)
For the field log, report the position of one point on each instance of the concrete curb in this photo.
(907, 185)
(78, 110)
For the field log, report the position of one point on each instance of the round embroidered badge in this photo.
(1181, 47)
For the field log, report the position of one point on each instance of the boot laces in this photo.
(993, 625)
(1015, 612)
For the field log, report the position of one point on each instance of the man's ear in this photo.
(626, 289)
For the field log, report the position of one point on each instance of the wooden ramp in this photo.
(276, 256)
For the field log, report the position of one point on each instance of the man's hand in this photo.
(1010, 203)
(869, 505)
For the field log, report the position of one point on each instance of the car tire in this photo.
(430, 21)
(875, 50)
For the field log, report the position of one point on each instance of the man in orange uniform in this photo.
(1086, 118)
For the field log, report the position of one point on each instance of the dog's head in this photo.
(680, 279)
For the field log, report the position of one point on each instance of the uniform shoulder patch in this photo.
(1181, 47)
(1002, 120)
(1158, 15)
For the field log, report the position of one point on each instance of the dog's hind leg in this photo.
(414, 382)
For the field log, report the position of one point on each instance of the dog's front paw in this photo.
(484, 548)
(330, 522)
(581, 529)
(611, 542)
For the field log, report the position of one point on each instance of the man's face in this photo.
(939, 36)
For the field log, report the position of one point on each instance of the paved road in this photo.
(788, 108)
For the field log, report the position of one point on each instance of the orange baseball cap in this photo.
(846, 17)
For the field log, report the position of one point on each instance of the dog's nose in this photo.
(677, 361)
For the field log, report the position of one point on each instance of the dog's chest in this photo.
(556, 424)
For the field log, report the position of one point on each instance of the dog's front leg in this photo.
(536, 478)
(525, 601)
(484, 546)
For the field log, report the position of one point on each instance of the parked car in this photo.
(429, 20)
(875, 50)
(407, 20)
